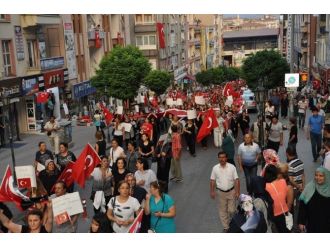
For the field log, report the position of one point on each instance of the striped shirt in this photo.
(296, 170)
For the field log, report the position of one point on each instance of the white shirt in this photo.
(224, 176)
(123, 211)
(118, 131)
(275, 132)
(54, 125)
(322, 113)
(115, 154)
(148, 176)
(326, 162)
(302, 106)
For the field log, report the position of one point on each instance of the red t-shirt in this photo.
(147, 128)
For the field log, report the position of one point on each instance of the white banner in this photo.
(199, 100)
(70, 203)
(120, 110)
(26, 172)
(179, 102)
(66, 109)
(169, 101)
(191, 114)
(137, 110)
(70, 50)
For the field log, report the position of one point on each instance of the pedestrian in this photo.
(302, 108)
(218, 131)
(49, 176)
(314, 216)
(277, 188)
(118, 132)
(43, 154)
(146, 149)
(71, 225)
(101, 145)
(65, 156)
(100, 224)
(163, 154)
(255, 130)
(284, 106)
(147, 128)
(275, 134)
(283, 172)
(244, 122)
(177, 123)
(247, 218)
(97, 120)
(162, 210)
(228, 146)
(248, 155)
(119, 171)
(131, 157)
(144, 175)
(233, 124)
(293, 136)
(315, 126)
(115, 152)
(121, 208)
(200, 120)
(102, 185)
(190, 136)
(52, 128)
(224, 183)
(275, 99)
(262, 200)
(136, 191)
(176, 155)
(35, 222)
(269, 109)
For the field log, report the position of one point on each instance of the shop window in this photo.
(32, 53)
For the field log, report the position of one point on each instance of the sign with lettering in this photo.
(19, 43)
(51, 63)
(54, 79)
(83, 89)
(30, 85)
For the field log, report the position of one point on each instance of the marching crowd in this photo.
(123, 183)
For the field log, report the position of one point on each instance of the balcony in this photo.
(145, 28)
(91, 34)
(36, 20)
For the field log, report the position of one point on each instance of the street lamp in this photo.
(260, 97)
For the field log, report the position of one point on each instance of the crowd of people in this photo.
(277, 200)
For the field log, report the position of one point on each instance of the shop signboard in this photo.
(83, 89)
(51, 63)
(30, 85)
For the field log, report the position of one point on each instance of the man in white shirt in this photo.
(224, 183)
(52, 128)
(302, 107)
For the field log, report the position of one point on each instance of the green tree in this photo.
(205, 77)
(158, 81)
(121, 71)
(267, 66)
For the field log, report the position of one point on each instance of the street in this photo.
(196, 211)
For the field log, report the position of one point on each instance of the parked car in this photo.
(249, 100)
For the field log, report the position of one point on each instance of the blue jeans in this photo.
(301, 120)
(249, 172)
(316, 141)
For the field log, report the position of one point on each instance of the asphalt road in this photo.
(196, 211)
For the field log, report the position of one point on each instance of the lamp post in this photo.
(106, 105)
(8, 121)
(260, 97)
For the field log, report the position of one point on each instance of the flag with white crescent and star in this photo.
(62, 218)
(210, 122)
(85, 164)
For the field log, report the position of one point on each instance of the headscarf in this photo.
(271, 158)
(56, 170)
(323, 190)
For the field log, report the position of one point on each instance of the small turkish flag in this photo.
(24, 182)
(42, 97)
(62, 218)
(210, 122)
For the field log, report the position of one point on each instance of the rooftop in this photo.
(251, 33)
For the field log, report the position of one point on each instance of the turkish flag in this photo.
(62, 218)
(98, 42)
(24, 182)
(176, 112)
(85, 164)
(161, 35)
(210, 122)
(107, 114)
(66, 175)
(136, 225)
(147, 128)
(42, 97)
(228, 90)
(8, 193)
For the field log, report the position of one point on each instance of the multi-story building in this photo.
(240, 44)
(237, 23)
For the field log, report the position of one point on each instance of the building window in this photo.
(144, 19)
(31, 44)
(7, 61)
(145, 40)
(2, 17)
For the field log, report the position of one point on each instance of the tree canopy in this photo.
(158, 81)
(218, 75)
(267, 66)
(121, 71)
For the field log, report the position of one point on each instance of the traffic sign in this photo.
(292, 80)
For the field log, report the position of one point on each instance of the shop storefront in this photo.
(83, 96)
(9, 104)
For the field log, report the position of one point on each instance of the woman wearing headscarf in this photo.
(262, 200)
(314, 213)
(49, 176)
(228, 146)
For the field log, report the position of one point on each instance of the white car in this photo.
(249, 100)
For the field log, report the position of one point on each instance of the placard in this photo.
(169, 101)
(137, 110)
(199, 100)
(66, 109)
(120, 110)
(26, 176)
(191, 114)
(70, 203)
(179, 102)
(40, 167)
(127, 127)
